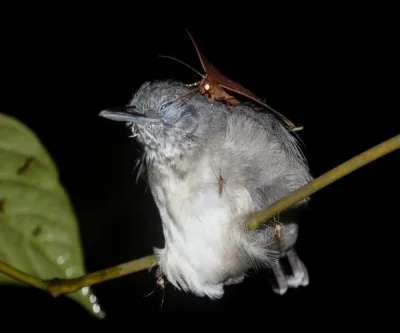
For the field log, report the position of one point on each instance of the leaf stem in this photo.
(58, 287)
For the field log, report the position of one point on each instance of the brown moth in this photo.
(215, 86)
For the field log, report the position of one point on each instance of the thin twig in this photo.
(386, 147)
(58, 287)
(22, 277)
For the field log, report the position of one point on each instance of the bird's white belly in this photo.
(196, 220)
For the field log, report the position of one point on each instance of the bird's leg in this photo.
(299, 275)
(280, 285)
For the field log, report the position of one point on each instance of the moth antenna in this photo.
(183, 63)
(197, 51)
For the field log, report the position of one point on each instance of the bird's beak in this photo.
(122, 114)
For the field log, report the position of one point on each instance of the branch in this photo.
(386, 147)
(22, 277)
(63, 286)
(58, 287)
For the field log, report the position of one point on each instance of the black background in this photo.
(339, 82)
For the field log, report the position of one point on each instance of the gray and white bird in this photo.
(208, 168)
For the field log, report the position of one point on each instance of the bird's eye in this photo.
(168, 113)
(165, 105)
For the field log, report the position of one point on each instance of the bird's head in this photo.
(164, 123)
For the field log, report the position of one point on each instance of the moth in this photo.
(215, 85)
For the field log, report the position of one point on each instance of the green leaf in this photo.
(39, 233)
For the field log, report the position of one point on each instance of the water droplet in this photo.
(61, 260)
(68, 272)
(96, 308)
(93, 298)
(85, 291)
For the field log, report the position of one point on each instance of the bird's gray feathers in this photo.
(208, 168)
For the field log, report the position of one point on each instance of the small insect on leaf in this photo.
(27, 163)
(2, 204)
(39, 232)
(215, 86)
(36, 231)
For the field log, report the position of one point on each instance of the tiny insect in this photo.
(27, 164)
(215, 85)
(278, 228)
(160, 284)
(221, 183)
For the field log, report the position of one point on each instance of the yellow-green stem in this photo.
(22, 277)
(256, 220)
(57, 287)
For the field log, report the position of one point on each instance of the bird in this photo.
(209, 168)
